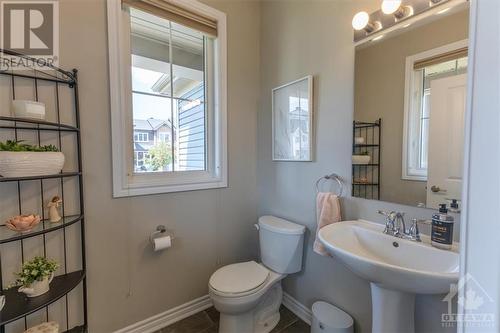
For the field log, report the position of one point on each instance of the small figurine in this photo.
(53, 205)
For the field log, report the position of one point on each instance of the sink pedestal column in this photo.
(392, 311)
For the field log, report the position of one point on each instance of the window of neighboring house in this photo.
(173, 69)
(163, 137)
(141, 137)
(421, 71)
(141, 159)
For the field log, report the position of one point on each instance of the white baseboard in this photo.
(161, 320)
(297, 308)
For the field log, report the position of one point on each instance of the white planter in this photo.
(28, 163)
(37, 288)
(360, 159)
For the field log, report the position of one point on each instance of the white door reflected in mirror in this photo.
(444, 175)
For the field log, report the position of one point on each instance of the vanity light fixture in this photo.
(395, 8)
(361, 21)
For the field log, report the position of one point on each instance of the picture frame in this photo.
(292, 121)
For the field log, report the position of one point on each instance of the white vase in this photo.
(37, 288)
(360, 159)
(29, 163)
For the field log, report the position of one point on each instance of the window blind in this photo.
(175, 13)
(452, 55)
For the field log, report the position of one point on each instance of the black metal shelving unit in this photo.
(18, 306)
(366, 177)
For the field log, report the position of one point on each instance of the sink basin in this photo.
(397, 269)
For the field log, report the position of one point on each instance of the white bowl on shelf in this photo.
(28, 109)
(30, 164)
(361, 159)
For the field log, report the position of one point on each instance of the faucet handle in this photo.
(414, 232)
(382, 212)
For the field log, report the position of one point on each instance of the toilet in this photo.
(248, 295)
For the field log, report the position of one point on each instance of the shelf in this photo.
(368, 164)
(17, 305)
(366, 145)
(366, 184)
(59, 175)
(7, 235)
(77, 329)
(52, 126)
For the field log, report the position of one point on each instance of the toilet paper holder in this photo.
(160, 231)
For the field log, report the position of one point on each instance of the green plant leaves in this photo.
(35, 270)
(11, 145)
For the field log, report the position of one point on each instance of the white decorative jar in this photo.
(28, 109)
(29, 164)
(37, 288)
(360, 159)
(359, 140)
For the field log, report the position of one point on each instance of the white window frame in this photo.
(125, 181)
(406, 173)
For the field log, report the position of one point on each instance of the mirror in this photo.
(408, 129)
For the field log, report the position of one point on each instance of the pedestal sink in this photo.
(396, 268)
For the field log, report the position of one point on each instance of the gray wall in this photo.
(128, 283)
(379, 93)
(315, 37)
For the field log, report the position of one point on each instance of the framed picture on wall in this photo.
(293, 120)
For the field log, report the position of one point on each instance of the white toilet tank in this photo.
(281, 244)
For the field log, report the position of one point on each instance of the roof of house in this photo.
(150, 124)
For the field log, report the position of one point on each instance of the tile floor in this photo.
(208, 321)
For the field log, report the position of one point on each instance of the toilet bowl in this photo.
(248, 294)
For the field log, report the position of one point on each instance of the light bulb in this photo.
(360, 20)
(390, 6)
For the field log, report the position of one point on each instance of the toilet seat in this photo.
(239, 279)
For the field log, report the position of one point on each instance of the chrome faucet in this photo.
(395, 226)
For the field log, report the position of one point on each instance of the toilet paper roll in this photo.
(162, 243)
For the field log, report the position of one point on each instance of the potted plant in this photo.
(18, 159)
(35, 276)
(361, 158)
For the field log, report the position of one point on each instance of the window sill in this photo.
(415, 178)
(138, 191)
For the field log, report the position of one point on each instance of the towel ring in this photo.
(329, 177)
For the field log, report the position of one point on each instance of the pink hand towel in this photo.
(327, 212)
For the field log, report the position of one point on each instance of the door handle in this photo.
(436, 189)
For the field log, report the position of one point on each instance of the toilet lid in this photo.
(239, 278)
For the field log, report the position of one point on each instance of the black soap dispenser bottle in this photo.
(442, 229)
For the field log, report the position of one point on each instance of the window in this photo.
(163, 137)
(421, 70)
(141, 137)
(168, 96)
